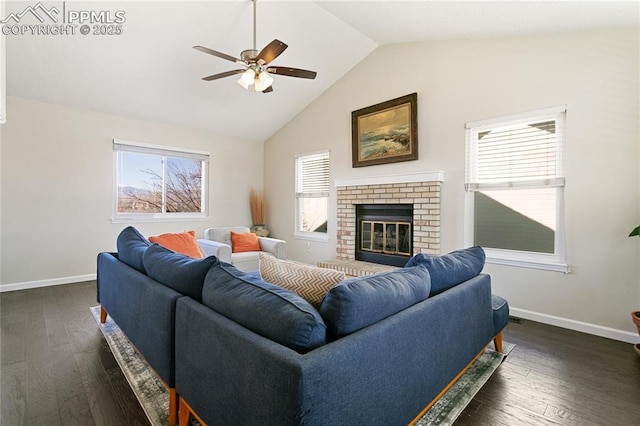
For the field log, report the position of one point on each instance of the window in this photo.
(312, 195)
(159, 183)
(515, 186)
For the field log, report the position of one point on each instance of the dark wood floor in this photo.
(56, 369)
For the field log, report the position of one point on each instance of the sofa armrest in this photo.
(214, 248)
(137, 304)
(276, 247)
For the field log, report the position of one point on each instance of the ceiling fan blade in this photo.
(222, 75)
(218, 54)
(271, 51)
(268, 89)
(292, 72)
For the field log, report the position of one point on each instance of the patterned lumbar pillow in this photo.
(309, 282)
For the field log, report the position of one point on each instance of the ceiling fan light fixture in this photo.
(266, 78)
(242, 83)
(263, 81)
(246, 78)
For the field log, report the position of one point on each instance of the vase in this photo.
(635, 316)
(260, 230)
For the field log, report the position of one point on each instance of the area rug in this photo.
(454, 401)
(154, 398)
(151, 393)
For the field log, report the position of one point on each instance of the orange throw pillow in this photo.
(244, 242)
(183, 242)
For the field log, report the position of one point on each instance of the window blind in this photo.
(313, 176)
(120, 145)
(516, 154)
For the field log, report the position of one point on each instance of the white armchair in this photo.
(217, 242)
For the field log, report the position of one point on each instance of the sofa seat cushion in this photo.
(358, 302)
(131, 246)
(246, 261)
(180, 242)
(264, 308)
(309, 282)
(245, 256)
(182, 273)
(500, 313)
(450, 269)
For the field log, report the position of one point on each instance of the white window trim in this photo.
(312, 236)
(302, 235)
(550, 262)
(159, 217)
(515, 118)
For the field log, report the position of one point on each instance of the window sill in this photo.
(151, 219)
(531, 264)
(322, 238)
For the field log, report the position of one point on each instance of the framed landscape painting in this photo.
(386, 132)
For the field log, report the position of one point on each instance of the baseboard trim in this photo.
(584, 327)
(46, 283)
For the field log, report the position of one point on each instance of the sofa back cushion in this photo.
(264, 308)
(309, 282)
(223, 233)
(450, 269)
(358, 302)
(131, 246)
(180, 242)
(182, 273)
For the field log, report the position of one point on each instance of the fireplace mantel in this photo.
(437, 176)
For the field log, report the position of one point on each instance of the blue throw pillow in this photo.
(358, 302)
(264, 308)
(131, 246)
(450, 269)
(182, 273)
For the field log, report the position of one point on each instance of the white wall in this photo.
(594, 73)
(57, 187)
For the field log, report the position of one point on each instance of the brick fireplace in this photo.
(422, 190)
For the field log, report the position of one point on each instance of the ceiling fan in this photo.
(255, 74)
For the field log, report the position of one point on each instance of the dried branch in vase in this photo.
(256, 202)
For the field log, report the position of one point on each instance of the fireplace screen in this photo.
(384, 233)
(386, 237)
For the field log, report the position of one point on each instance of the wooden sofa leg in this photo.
(103, 315)
(173, 407)
(184, 413)
(497, 341)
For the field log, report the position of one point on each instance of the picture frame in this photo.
(386, 132)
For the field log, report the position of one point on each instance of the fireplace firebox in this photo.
(384, 233)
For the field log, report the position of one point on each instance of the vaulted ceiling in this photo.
(151, 72)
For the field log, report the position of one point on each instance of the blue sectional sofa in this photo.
(234, 349)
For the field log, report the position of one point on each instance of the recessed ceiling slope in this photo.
(151, 72)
